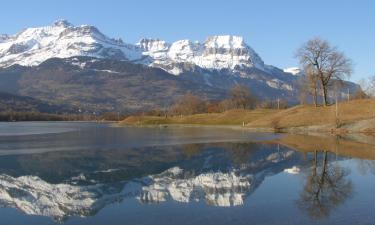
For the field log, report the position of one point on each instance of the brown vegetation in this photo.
(230, 117)
(187, 105)
(302, 116)
(241, 97)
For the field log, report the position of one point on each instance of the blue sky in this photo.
(274, 28)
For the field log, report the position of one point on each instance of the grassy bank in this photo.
(358, 115)
(231, 117)
(353, 116)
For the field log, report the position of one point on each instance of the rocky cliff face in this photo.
(217, 52)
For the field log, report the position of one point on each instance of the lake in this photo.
(88, 173)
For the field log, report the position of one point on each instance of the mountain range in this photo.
(204, 177)
(80, 66)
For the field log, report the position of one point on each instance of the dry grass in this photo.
(298, 116)
(309, 115)
(230, 117)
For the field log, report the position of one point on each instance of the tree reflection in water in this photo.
(327, 187)
(366, 167)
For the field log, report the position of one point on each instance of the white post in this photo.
(348, 94)
(278, 103)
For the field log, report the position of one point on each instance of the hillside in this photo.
(353, 116)
(16, 103)
(231, 117)
(104, 85)
(350, 115)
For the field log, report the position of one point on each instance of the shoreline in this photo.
(355, 116)
(356, 127)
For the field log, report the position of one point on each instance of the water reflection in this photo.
(81, 183)
(366, 167)
(327, 186)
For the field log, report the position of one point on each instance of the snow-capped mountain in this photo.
(209, 69)
(212, 175)
(3, 37)
(35, 196)
(33, 46)
(293, 70)
(217, 52)
(215, 188)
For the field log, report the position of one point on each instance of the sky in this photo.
(273, 28)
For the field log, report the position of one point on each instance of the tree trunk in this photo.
(315, 162)
(325, 97)
(324, 169)
(315, 97)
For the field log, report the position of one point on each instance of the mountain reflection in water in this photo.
(81, 183)
(219, 174)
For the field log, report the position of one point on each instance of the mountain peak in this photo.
(152, 44)
(293, 70)
(225, 41)
(62, 40)
(3, 37)
(33, 46)
(62, 23)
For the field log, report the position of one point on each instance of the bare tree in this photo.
(309, 86)
(360, 94)
(188, 104)
(242, 97)
(302, 96)
(225, 105)
(313, 84)
(326, 188)
(371, 86)
(368, 86)
(326, 63)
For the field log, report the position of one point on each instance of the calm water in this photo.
(86, 173)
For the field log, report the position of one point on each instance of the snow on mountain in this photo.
(293, 70)
(3, 37)
(217, 52)
(32, 46)
(35, 196)
(216, 188)
(219, 61)
(82, 196)
(293, 170)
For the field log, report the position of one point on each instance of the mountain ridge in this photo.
(62, 39)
